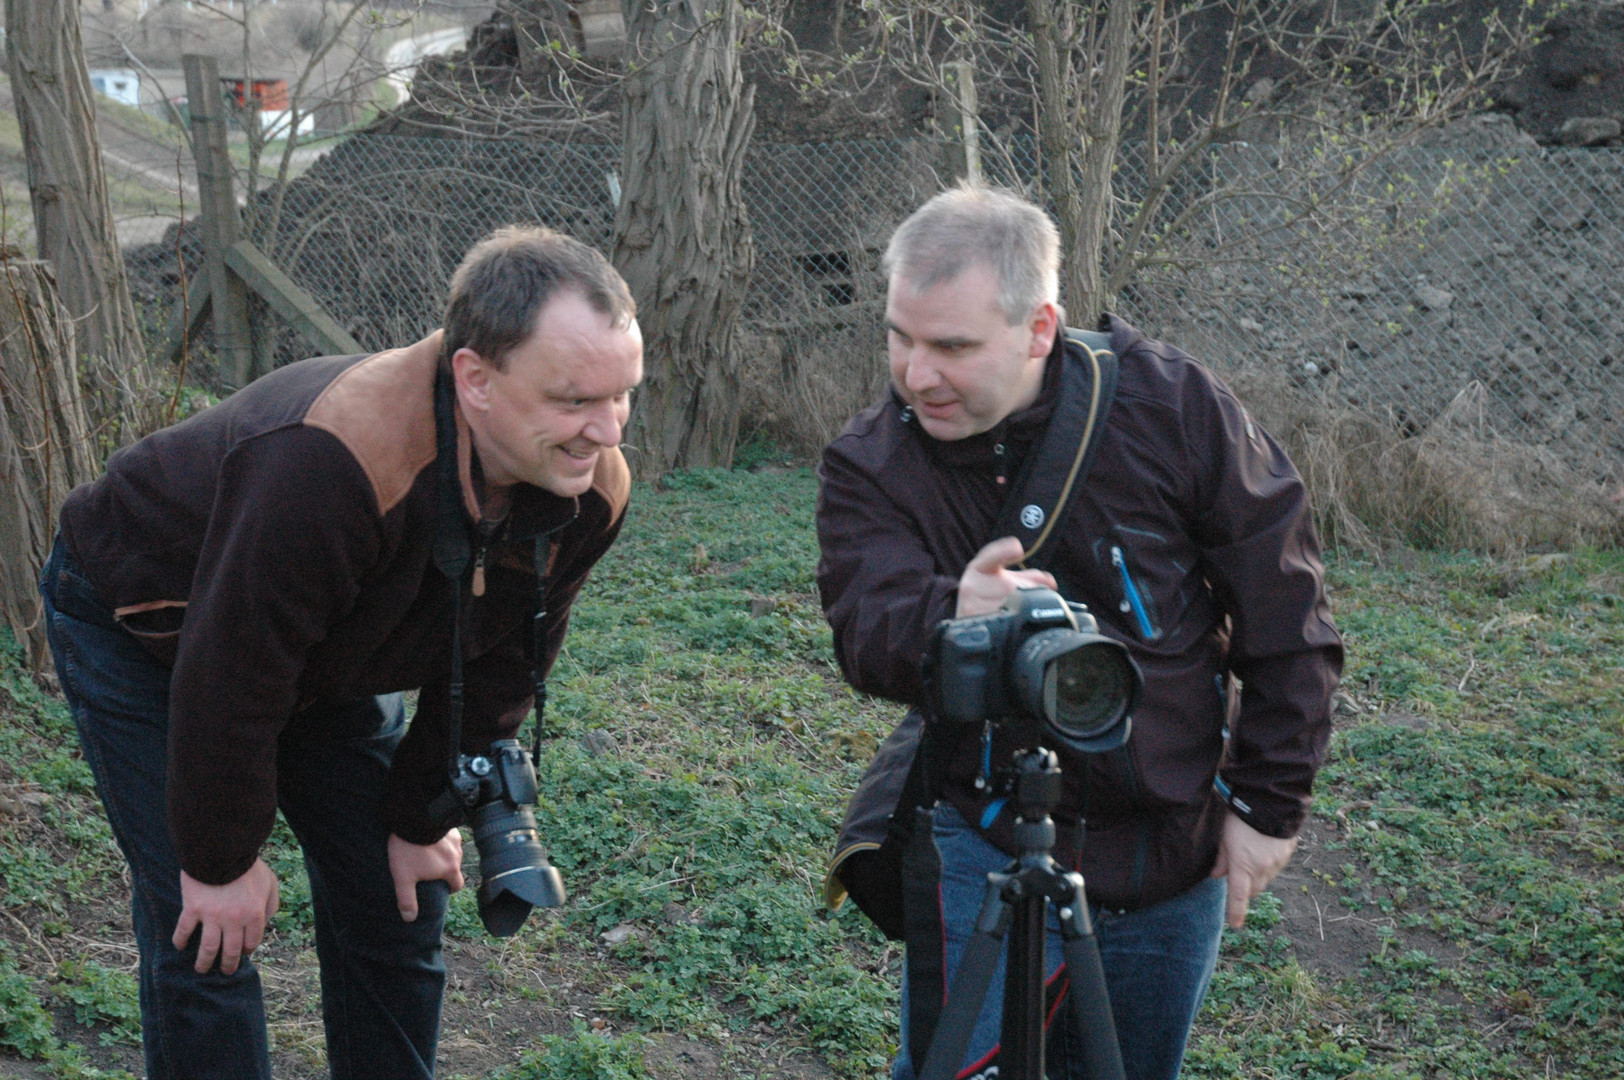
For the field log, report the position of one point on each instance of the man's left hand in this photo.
(1250, 860)
(410, 863)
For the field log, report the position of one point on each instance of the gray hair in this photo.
(968, 225)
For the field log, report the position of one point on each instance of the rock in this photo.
(761, 606)
(1403, 718)
(1251, 326)
(1432, 298)
(1588, 130)
(1565, 211)
(623, 932)
(1560, 416)
(599, 743)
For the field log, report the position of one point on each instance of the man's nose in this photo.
(605, 424)
(919, 374)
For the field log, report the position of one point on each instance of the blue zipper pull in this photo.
(1131, 600)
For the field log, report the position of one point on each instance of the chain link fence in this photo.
(1473, 294)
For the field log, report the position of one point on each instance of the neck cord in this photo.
(452, 556)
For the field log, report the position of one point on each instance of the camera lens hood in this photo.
(515, 875)
(505, 900)
(1082, 686)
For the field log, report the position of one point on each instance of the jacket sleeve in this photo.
(291, 536)
(1261, 556)
(882, 591)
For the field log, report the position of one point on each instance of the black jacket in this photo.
(1191, 540)
(275, 551)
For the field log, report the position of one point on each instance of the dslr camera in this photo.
(499, 788)
(1039, 662)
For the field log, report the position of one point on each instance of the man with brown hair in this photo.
(236, 605)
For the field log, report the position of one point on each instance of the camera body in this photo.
(1039, 661)
(499, 789)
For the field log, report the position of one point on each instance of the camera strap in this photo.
(452, 551)
(1053, 468)
(1062, 457)
(453, 554)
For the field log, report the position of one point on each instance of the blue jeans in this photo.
(1157, 960)
(381, 978)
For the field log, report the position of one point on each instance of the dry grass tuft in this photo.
(800, 388)
(1456, 485)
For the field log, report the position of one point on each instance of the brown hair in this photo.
(507, 278)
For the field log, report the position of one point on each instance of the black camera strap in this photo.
(452, 551)
(453, 555)
(1062, 457)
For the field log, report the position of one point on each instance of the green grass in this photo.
(1471, 815)
(1483, 835)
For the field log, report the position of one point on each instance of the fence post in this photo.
(964, 131)
(228, 298)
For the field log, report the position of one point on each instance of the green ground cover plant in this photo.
(1456, 908)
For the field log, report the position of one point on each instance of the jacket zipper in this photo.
(1132, 601)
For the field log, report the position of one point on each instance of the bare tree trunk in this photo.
(1090, 106)
(45, 439)
(73, 220)
(682, 238)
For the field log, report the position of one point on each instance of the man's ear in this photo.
(1045, 325)
(472, 378)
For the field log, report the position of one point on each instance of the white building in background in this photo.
(123, 85)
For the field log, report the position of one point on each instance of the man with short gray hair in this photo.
(1191, 541)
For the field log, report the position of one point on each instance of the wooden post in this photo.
(964, 121)
(228, 297)
(289, 301)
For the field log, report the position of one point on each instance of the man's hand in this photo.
(1251, 860)
(231, 918)
(410, 863)
(988, 579)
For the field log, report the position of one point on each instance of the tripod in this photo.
(1019, 897)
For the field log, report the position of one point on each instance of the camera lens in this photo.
(1086, 690)
(514, 873)
(1083, 686)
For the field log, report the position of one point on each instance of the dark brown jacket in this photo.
(275, 550)
(1191, 540)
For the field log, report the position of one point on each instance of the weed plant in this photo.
(1463, 859)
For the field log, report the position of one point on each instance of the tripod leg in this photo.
(970, 982)
(1090, 1004)
(1022, 1047)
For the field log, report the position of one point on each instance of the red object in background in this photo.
(268, 94)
